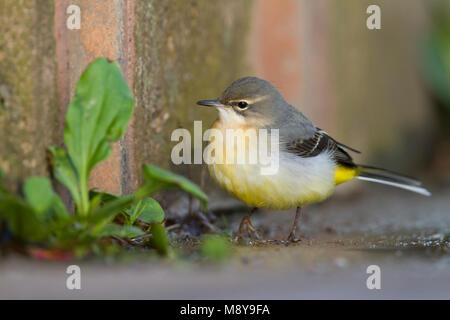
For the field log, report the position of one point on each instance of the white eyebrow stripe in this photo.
(250, 101)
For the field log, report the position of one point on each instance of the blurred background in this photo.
(384, 92)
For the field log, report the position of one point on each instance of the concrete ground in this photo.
(406, 235)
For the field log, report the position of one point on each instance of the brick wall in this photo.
(172, 53)
(362, 86)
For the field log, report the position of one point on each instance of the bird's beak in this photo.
(210, 103)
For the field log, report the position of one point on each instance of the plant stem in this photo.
(84, 205)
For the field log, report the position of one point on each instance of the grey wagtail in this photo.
(311, 163)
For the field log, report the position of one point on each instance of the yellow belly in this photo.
(270, 193)
(281, 191)
(298, 181)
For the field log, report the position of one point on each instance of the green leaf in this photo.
(66, 173)
(22, 219)
(38, 193)
(25, 217)
(104, 196)
(100, 198)
(116, 230)
(158, 179)
(97, 115)
(2, 187)
(58, 208)
(106, 213)
(40, 196)
(159, 240)
(147, 210)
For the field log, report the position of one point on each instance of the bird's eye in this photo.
(242, 105)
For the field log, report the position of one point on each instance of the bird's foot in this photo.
(292, 238)
(246, 226)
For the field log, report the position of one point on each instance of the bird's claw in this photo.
(292, 238)
(247, 226)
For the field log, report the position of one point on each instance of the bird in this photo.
(311, 163)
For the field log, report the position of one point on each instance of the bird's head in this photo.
(248, 101)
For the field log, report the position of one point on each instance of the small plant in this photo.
(147, 210)
(97, 115)
(215, 248)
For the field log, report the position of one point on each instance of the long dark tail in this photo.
(390, 178)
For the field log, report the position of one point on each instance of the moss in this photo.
(28, 117)
(185, 51)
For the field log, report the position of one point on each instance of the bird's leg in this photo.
(247, 224)
(292, 236)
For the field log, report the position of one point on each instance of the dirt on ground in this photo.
(407, 236)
